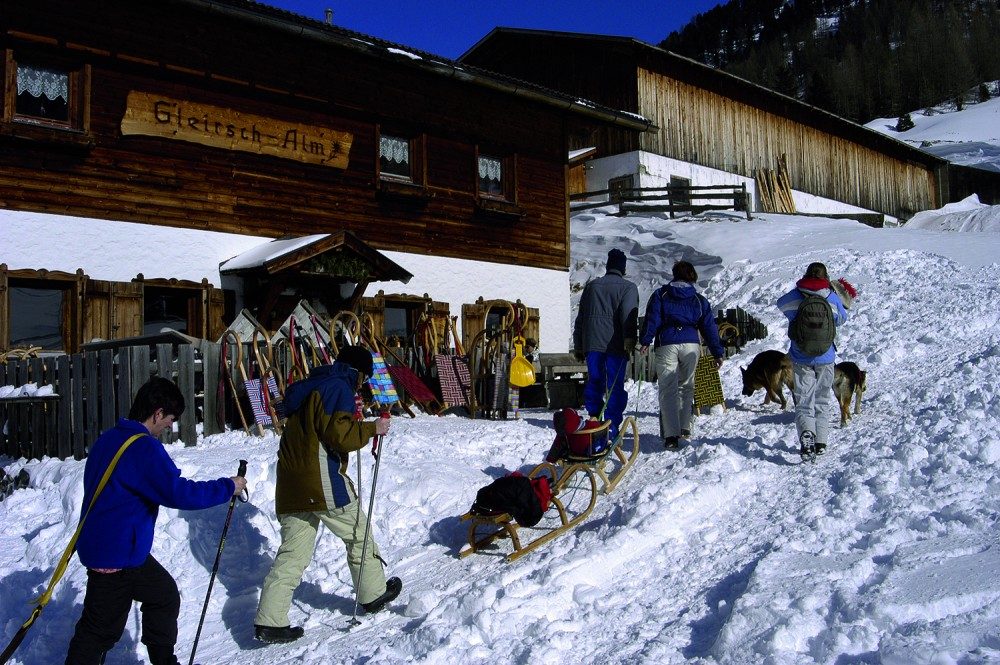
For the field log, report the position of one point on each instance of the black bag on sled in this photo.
(515, 494)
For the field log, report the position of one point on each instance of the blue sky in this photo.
(450, 27)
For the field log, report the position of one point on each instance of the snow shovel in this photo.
(522, 373)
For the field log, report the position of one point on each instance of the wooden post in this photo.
(106, 360)
(123, 387)
(210, 379)
(64, 386)
(185, 381)
(165, 369)
(79, 431)
(91, 396)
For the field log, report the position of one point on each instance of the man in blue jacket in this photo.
(813, 372)
(604, 334)
(117, 533)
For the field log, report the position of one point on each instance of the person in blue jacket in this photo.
(117, 534)
(604, 335)
(813, 391)
(676, 315)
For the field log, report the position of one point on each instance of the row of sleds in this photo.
(255, 365)
(581, 465)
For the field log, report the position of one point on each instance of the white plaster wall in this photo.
(119, 251)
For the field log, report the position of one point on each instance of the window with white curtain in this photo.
(43, 93)
(394, 157)
(490, 176)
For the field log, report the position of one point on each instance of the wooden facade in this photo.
(212, 65)
(707, 117)
(235, 117)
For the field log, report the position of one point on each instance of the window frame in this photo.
(79, 87)
(414, 186)
(503, 206)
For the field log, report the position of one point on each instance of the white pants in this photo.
(813, 400)
(675, 366)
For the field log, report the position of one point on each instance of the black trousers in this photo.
(106, 607)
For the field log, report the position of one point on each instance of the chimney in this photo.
(329, 16)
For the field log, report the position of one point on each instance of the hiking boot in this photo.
(807, 443)
(685, 434)
(392, 588)
(671, 443)
(274, 635)
(820, 448)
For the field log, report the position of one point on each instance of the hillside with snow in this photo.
(727, 551)
(970, 137)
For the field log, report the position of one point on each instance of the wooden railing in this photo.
(679, 199)
(95, 388)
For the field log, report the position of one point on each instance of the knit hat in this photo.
(616, 261)
(357, 357)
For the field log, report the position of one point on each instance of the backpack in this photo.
(813, 329)
(525, 499)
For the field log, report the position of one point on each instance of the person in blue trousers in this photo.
(605, 334)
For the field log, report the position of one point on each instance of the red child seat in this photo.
(576, 436)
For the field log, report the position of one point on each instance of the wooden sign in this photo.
(154, 115)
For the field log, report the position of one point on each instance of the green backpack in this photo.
(813, 329)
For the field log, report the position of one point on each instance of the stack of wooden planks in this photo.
(774, 188)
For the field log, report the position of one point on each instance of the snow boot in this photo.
(276, 635)
(392, 588)
(820, 448)
(807, 444)
(671, 443)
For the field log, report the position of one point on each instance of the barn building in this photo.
(713, 128)
(149, 151)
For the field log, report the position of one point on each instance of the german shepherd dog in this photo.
(848, 380)
(770, 370)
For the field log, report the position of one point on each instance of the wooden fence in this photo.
(95, 388)
(673, 199)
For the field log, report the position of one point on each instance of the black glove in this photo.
(630, 346)
(579, 355)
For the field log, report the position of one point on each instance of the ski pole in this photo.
(368, 523)
(242, 472)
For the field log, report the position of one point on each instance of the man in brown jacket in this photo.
(312, 487)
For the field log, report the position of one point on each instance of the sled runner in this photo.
(609, 462)
(571, 488)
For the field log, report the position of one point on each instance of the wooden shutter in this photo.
(215, 318)
(126, 309)
(111, 310)
(375, 308)
(473, 320)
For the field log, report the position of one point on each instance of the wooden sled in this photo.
(614, 455)
(574, 478)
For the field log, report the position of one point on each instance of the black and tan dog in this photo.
(849, 380)
(770, 370)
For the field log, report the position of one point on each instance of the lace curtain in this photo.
(490, 169)
(394, 149)
(39, 82)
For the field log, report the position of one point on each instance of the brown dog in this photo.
(770, 370)
(848, 380)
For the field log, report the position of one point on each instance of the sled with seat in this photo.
(573, 487)
(610, 463)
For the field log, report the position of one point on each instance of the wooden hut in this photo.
(706, 117)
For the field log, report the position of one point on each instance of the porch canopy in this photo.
(332, 269)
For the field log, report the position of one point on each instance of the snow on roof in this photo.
(258, 256)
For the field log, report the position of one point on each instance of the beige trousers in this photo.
(298, 540)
